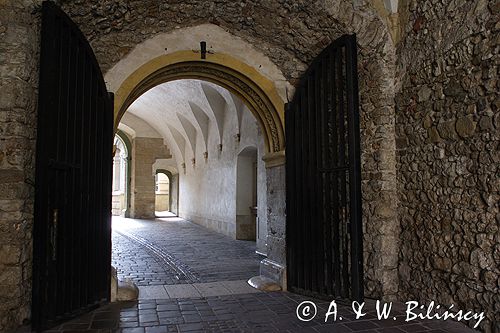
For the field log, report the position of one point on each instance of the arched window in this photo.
(119, 203)
(120, 166)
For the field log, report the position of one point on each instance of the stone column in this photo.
(174, 193)
(274, 266)
(145, 151)
(19, 45)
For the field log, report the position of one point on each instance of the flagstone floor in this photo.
(194, 280)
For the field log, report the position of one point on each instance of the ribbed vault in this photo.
(181, 112)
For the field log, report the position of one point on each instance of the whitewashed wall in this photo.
(208, 189)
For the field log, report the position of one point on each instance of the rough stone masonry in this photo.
(18, 87)
(430, 129)
(448, 134)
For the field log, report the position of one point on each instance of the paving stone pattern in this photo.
(207, 289)
(203, 255)
(133, 262)
(258, 312)
(220, 301)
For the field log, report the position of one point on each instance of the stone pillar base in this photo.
(122, 290)
(274, 271)
(263, 283)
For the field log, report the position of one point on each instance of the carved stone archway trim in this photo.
(256, 91)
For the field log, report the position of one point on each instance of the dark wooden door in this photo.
(323, 178)
(72, 228)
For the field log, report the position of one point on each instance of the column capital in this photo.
(274, 159)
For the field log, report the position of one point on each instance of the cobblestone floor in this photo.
(174, 251)
(194, 280)
(134, 262)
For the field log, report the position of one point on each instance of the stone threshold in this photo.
(208, 289)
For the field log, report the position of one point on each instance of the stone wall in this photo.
(274, 265)
(19, 31)
(145, 152)
(161, 202)
(448, 131)
(262, 215)
(174, 194)
(118, 203)
(290, 34)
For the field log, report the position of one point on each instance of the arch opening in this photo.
(207, 135)
(254, 90)
(121, 176)
(162, 195)
(373, 51)
(246, 194)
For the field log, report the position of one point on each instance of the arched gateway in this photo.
(266, 101)
(428, 102)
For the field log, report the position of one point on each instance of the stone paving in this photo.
(133, 261)
(174, 251)
(256, 312)
(219, 288)
(194, 280)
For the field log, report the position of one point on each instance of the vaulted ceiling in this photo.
(180, 112)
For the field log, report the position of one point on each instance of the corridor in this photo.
(169, 251)
(192, 279)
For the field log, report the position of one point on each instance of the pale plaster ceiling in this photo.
(181, 111)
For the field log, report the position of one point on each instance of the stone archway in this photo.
(376, 75)
(278, 41)
(256, 91)
(261, 97)
(289, 34)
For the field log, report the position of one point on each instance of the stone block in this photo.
(434, 135)
(273, 271)
(15, 94)
(10, 275)
(447, 130)
(276, 250)
(182, 291)
(465, 126)
(152, 292)
(10, 254)
(11, 205)
(11, 176)
(424, 94)
(212, 289)
(385, 210)
(10, 292)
